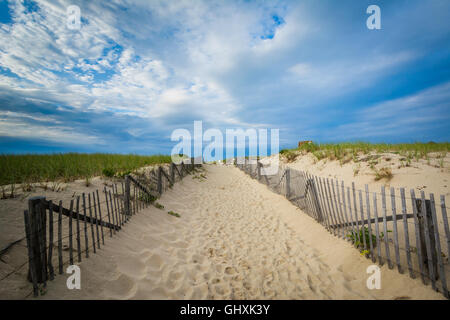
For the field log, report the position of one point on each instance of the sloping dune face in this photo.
(234, 239)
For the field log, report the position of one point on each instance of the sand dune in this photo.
(235, 239)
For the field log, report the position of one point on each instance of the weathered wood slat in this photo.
(159, 180)
(108, 213)
(287, 189)
(116, 209)
(100, 216)
(394, 223)
(92, 223)
(372, 220)
(85, 218)
(132, 210)
(117, 205)
(330, 195)
(114, 212)
(420, 250)
(136, 203)
(44, 241)
(311, 197)
(42, 247)
(307, 199)
(333, 203)
(134, 199)
(329, 207)
(50, 240)
(33, 275)
(344, 204)
(369, 225)
(406, 233)
(385, 229)
(377, 229)
(297, 198)
(445, 221)
(355, 209)
(338, 207)
(110, 205)
(60, 257)
(166, 175)
(438, 247)
(122, 203)
(78, 229)
(126, 197)
(315, 194)
(178, 171)
(67, 213)
(363, 226)
(310, 207)
(343, 209)
(172, 172)
(350, 212)
(322, 204)
(428, 241)
(140, 186)
(71, 233)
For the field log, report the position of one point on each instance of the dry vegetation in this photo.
(374, 155)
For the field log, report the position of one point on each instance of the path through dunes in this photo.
(235, 239)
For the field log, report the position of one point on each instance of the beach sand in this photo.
(234, 239)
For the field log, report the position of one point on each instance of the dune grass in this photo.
(30, 168)
(351, 150)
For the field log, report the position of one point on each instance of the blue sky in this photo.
(137, 70)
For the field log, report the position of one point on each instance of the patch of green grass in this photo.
(159, 206)
(108, 172)
(358, 240)
(290, 155)
(147, 198)
(67, 167)
(174, 214)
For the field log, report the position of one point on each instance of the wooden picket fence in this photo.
(419, 232)
(57, 236)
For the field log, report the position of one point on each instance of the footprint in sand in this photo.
(132, 266)
(123, 287)
(155, 262)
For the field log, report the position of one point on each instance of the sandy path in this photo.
(235, 239)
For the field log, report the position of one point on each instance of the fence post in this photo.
(288, 183)
(316, 200)
(126, 197)
(160, 180)
(37, 231)
(172, 172)
(258, 170)
(426, 229)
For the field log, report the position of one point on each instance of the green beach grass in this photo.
(30, 168)
(350, 150)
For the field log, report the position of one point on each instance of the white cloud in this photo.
(409, 114)
(10, 127)
(171, 62)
